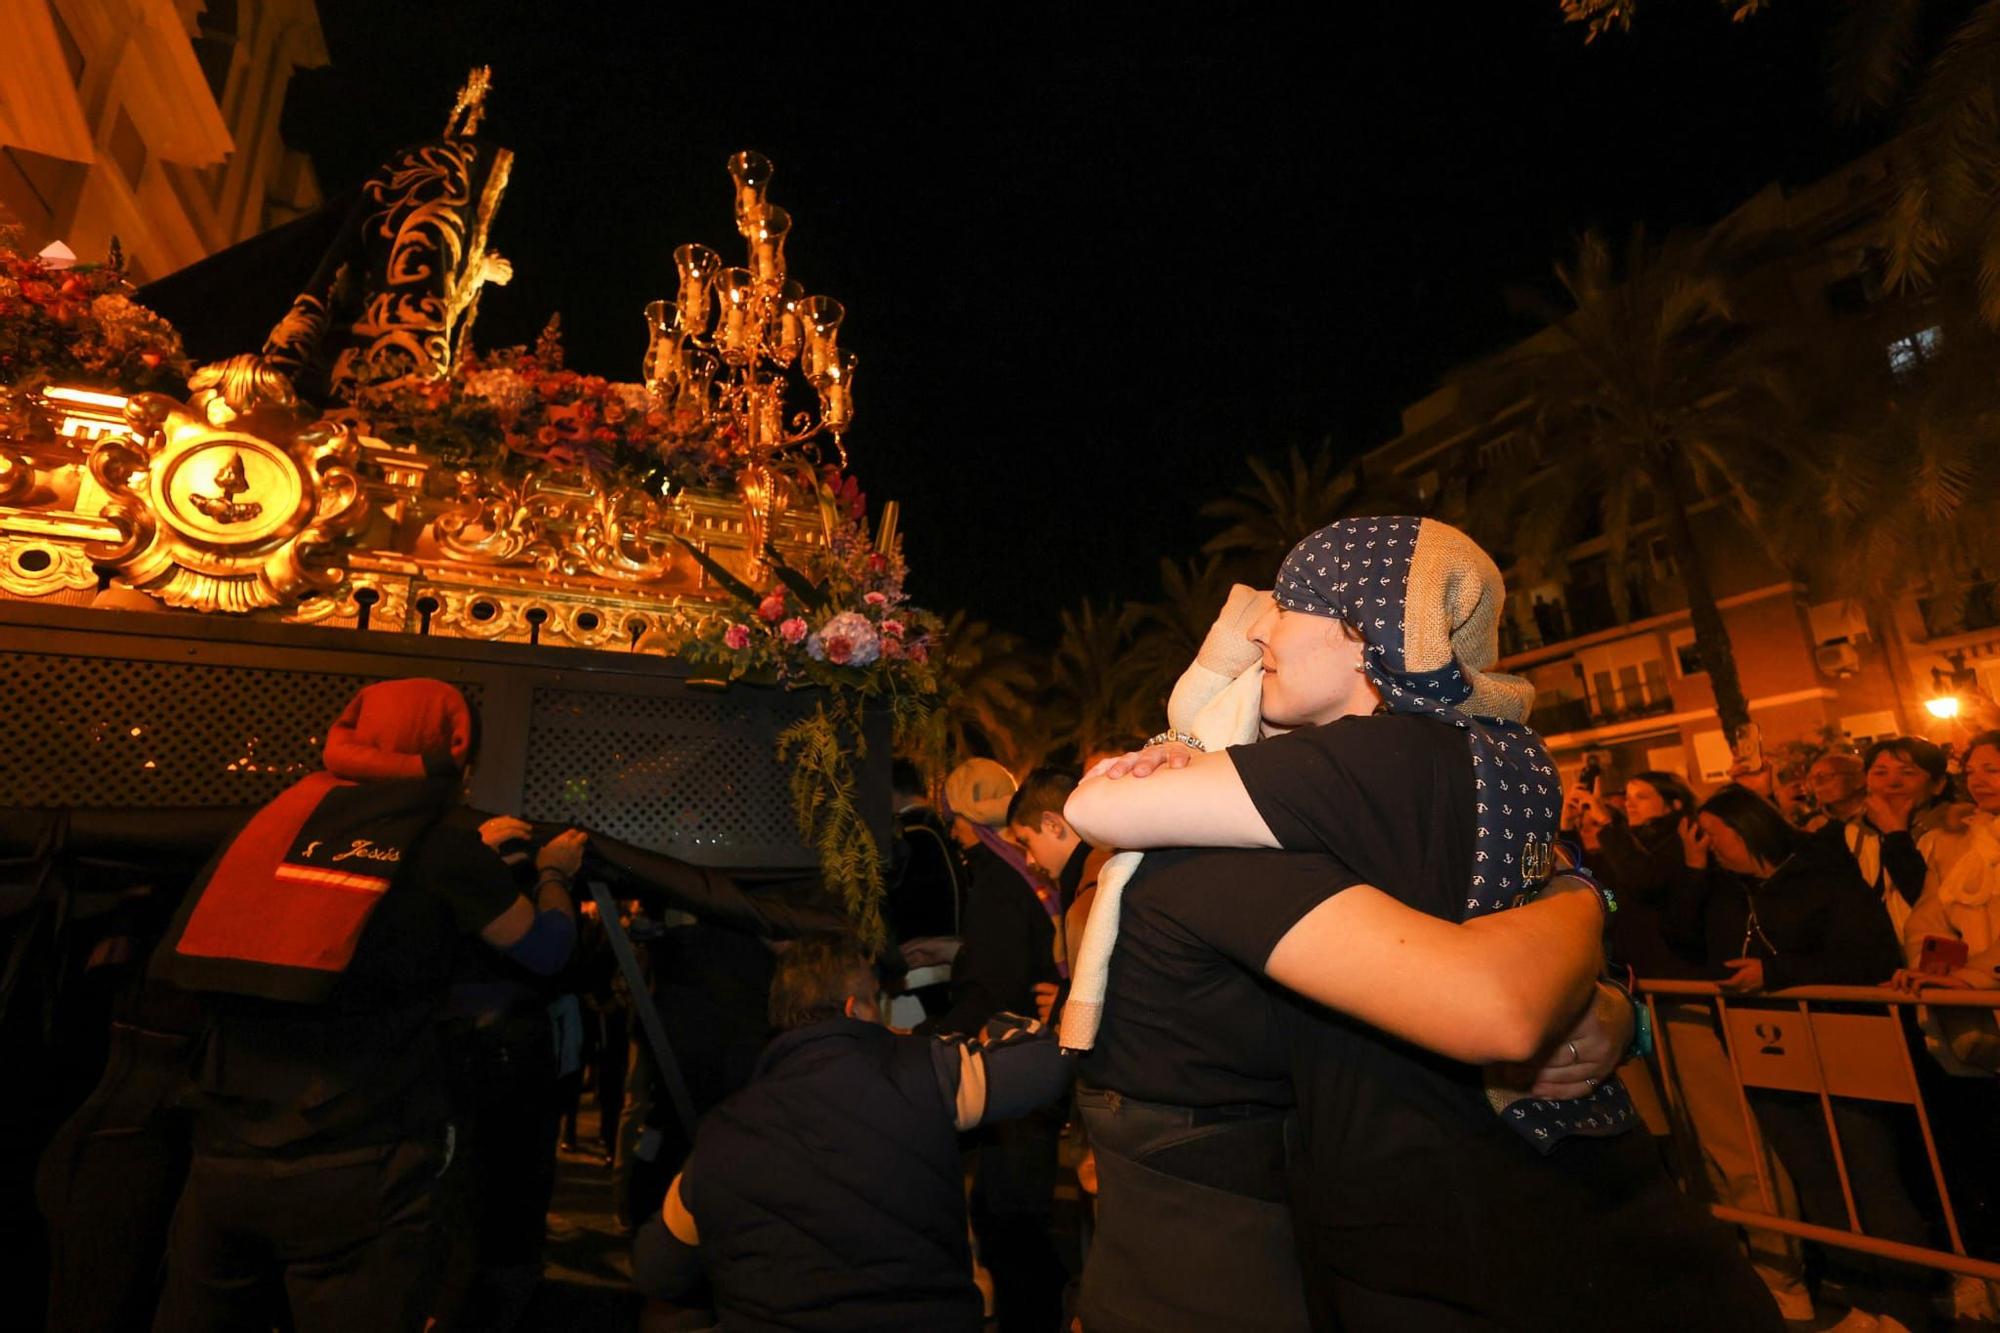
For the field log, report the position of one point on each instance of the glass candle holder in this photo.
(767, 244)
(737, 322)
(698, 266)
(752, 172)
(820, 317)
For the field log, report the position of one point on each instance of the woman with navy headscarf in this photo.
(1430, 1188)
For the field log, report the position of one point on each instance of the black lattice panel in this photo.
(692, 776)
(95, 731)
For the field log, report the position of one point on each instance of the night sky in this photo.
(1093, 255)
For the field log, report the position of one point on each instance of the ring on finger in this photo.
(1574, 1058)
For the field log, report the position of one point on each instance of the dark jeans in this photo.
(1796, 1128)
(348, 1240)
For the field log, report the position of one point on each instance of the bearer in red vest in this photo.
(322, 939)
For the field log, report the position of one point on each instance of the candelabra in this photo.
(736, 341)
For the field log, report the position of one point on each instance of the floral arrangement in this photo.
(840, 621)
(522, 407)
(77, 323)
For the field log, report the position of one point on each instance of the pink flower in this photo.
(737, 637)
(892, 649)
(772, 608)
(792, 630)
(876, 599)
(892, 628)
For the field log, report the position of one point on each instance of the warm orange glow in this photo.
(1944, 709)
(88, 397)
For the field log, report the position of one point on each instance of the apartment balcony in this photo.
(1560, 715)
(1963, 610)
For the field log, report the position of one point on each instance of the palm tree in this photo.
(1166, 634)
(1947, 148)
(1646, 397)
(1268, 514)
(988, 685)
(1905, 492)
(1092, 677)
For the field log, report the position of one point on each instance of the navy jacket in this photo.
(838, 1169)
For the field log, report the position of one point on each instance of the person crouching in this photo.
(827, 1194)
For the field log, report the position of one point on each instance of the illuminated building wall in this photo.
(155, 121)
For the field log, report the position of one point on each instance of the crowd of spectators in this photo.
(1870, 868)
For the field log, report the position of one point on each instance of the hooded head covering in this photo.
(1426, 601)
(283, 908)
(981, 790)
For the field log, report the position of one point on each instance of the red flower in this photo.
(877, 563)
(772, 608)
(737, 637)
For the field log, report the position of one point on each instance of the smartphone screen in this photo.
(1750, 745)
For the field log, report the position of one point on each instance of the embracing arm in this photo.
(1493, 989)
(1202, 804)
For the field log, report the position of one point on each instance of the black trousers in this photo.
(347, 1240)
(1796, 1127)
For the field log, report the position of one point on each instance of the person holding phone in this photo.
(1769, 908)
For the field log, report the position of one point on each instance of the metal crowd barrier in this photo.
(1780, 1040)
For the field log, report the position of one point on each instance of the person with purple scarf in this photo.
(1456, 1164)
(1010, 933)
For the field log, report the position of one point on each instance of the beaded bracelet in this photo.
(1181, 737)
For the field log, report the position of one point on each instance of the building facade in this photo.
(154, 121)
(1617, 676)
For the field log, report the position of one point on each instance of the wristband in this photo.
(1169, 737)
(1642, 1021)
(1605, 899)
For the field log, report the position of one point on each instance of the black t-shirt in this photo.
(1410, 1184)
(363, 1066)
(1189, 1018)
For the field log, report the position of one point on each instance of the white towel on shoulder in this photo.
(1223, 719)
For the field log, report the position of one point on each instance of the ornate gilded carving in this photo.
(196, 503)
(225, 504)
(389, 610)
(17, 476)
(493, 521)
(394, 296)
(37, 567)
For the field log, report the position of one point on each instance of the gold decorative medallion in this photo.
(227, 503)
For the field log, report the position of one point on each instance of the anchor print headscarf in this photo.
(1426, 601)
